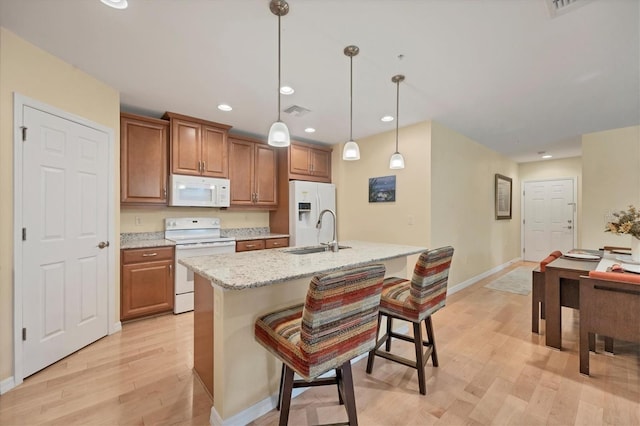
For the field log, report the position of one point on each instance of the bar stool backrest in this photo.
(429, 281)
(340, 316)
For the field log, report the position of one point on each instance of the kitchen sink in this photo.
(313, 249)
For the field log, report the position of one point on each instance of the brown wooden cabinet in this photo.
(143, 159)
(253, 173)
(146, 282)
(261, 244)
(309, 162)
(198, 147)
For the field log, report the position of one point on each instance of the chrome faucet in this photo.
(333, 245)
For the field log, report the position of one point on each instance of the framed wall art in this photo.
(503, 197)
(382, 189)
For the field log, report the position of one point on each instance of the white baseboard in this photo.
(116, 327)
(471, 281)
(7, 384)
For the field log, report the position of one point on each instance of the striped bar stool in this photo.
(337, 322)
(415, 301)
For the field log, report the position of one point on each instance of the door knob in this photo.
(103, 244)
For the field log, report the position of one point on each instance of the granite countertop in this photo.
(260, 236)
(131, 244)
(238, 271)
(143, 240)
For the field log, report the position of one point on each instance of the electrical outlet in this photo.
(138, 221)
(410, 219)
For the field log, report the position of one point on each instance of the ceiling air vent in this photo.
(297, 110)
(559, 7)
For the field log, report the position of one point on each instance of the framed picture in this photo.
(503, 197)
(382, 189)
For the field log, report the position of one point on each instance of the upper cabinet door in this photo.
(320, 163)
(299, 159)
(241, 159)
(214, 152)
(186, 147)
(266, 176)
(143, 160)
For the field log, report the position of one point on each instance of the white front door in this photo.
(549, 217)
(64, 217)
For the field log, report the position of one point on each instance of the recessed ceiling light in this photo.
(386, 118)
(224, 107)
(547, 156)
(116, 4)
(286, 90)
(310, 130)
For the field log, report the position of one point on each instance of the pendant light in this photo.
(279, 133)
(397, 160)
(351, 150)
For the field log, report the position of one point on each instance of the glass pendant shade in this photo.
(396, 161)
(279, 135)
(351, 151)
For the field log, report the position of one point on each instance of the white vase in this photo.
(635, 249)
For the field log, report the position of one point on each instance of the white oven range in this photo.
(194, 236)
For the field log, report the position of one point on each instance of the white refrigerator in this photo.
(306, 201)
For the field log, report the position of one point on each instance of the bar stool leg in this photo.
(432, 340)
(349, 396)
(417, 339)
(338, 381)
(287, 388)
(387, 344)
(280, 388)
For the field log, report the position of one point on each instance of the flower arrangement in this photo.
(628, 222)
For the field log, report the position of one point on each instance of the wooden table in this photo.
(562, 288)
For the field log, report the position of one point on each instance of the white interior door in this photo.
(65, 217)
(549, 217)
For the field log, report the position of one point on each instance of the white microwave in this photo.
(199, 191)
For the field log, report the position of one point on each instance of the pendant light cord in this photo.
(278, 67)
(351, 101)
(397, 111)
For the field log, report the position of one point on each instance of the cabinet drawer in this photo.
(276, 242)
(250, 245)
(146, 254)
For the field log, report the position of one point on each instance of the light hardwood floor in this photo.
(493, 370)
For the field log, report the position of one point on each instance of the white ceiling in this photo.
(504, 73)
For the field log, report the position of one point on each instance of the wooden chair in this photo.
(415, 301)
(537, 296)
(337, 323)
(609, 305)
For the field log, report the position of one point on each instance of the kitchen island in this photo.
(232, 290)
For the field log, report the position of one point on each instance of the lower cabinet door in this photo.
(147, 288)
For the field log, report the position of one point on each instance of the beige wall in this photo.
(152, 219)
(611, 181)
(31, 72)
(445, 191)
(556, 169)
(358, 219)
(462, 204)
